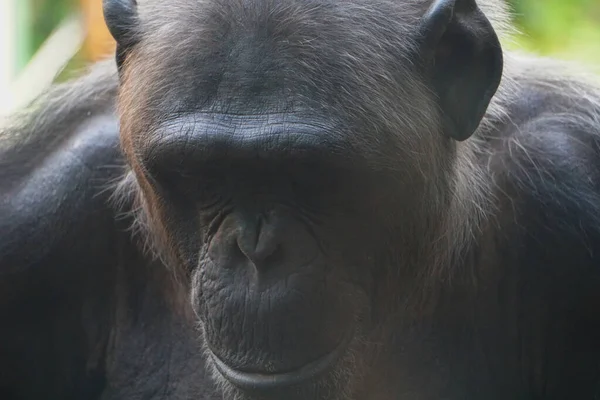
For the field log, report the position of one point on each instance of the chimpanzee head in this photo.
(295, 162)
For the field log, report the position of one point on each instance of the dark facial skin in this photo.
(270, 232)
(260, 248)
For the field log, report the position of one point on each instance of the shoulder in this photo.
(57, 165)
(545, 165)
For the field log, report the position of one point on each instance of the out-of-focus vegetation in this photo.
(42, 17)
(568, 29)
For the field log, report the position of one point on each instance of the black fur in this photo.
(259, 179)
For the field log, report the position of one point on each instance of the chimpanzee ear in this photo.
(463, 61)
(122, 21)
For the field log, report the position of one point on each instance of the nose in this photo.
(261, 242)
(275, 244)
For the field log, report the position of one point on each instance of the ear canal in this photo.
(463, 61)
(122, 22)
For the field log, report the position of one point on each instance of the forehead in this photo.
(346, 61)
(257, 48)
(292, 20)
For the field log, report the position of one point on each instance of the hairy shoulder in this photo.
(53, 118)
(57, 162)
(545, 164)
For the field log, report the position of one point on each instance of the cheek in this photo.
(171, 235)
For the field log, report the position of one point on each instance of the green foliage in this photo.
(568, 29)
(46, 17)
(37, 19)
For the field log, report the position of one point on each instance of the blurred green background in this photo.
(567, 29)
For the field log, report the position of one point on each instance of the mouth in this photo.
(257, 381)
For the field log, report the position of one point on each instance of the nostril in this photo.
(262, 251)
(275, 257)
(275, 245)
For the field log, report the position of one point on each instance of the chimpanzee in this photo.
(304, 200)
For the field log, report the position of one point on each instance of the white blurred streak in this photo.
(48, 61)
(7, 51)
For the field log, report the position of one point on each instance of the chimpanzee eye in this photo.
(203, 189)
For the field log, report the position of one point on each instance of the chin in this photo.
(332, 384)
(330, 377)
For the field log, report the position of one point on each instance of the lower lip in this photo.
(264, 381)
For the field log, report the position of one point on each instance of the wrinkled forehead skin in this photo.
(216, 55)
(350, 63)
